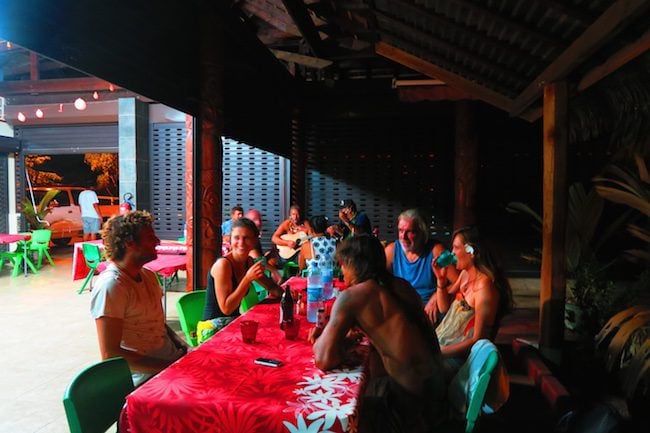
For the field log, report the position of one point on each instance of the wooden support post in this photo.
(189, 201)
(465, 165)
(553, 276)
(208, 151)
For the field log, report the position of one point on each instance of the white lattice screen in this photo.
(168, 179)
(253, 179)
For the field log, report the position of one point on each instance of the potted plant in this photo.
(585, 274)
(35, 216)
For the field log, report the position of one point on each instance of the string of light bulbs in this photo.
(79, 103)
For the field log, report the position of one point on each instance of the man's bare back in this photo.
(395, 324)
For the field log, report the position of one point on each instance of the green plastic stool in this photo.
(40, 242)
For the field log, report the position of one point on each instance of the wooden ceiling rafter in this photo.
(61, 85)
(434, 71)
(272, 15)
(512, 77)
(612, 64)
(608, 25)
(301, 17)
(620, 58)
(437, 20)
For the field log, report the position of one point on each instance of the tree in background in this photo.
(106, 164)
(40, 177)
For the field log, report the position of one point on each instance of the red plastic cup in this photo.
(291, 328)
(248, 330)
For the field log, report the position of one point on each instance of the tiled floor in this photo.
(48, 336)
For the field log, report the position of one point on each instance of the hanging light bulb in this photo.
(111, 87)
(60, 108)
(39, 113)
(95, 95)
(21, 117)
(8, 44)
(80, 104)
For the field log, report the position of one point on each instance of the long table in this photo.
(218, 388)
(80, 270)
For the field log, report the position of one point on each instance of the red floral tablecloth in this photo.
(80, 270)
(218, 388)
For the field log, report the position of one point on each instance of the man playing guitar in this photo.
(288, 234)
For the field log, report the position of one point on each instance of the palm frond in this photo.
(639, 232)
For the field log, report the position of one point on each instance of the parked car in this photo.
(65, 216)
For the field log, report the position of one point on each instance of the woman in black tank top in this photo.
(229, 280)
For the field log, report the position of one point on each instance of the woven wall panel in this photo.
(168, 179)
(385, 166)
(252, 180)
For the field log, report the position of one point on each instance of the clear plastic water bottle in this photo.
(314, 290)
(327, 277)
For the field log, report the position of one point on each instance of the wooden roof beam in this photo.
(630, 52)
(506, 22)
(274, 16)
(476, 90)
(610, 23)
(300, 15)
(436, 20)
(619, 59)
(63, 85)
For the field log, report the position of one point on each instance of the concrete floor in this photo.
(49, 336)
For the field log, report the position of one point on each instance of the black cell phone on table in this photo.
(268, 362)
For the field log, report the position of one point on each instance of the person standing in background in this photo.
(236, 213)
(91, 217)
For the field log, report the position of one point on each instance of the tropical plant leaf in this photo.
(639, 232)
(617, 196)
(36, 216)
(637, 256)
(522, 208)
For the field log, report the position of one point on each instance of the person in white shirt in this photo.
(91, 217)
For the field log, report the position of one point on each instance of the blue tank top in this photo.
(419, 273)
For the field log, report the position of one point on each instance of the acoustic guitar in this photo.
(286, 252)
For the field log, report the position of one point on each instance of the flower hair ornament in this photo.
(469, 249)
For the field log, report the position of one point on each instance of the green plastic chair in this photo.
(190, 310)
(256, 293)
(16, 258)
(476, 399)
(94, 398)
(40, 243)
(93, 257)
(290, 269)
(473, 399)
